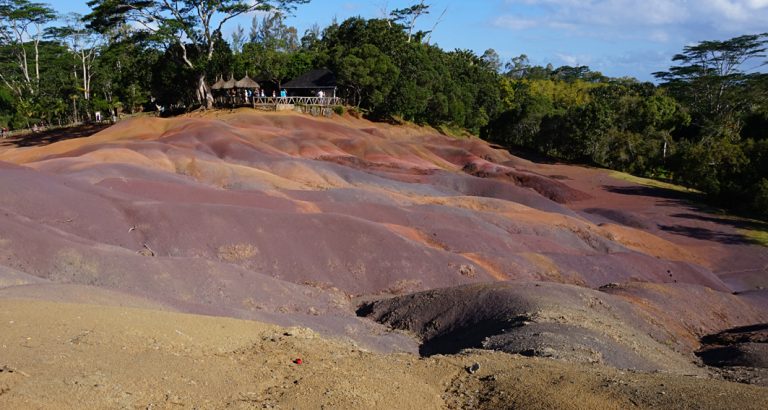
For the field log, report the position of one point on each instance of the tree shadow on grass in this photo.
(51, 136)
(709, 235)
(531, 155)
(698, 212)
(654, 192)
(738, 223)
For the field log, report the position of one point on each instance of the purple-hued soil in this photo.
(291, 219)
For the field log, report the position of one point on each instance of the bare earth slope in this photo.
(296, 221)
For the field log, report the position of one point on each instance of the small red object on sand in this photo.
(298, 361)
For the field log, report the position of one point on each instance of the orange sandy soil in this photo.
(291, 220)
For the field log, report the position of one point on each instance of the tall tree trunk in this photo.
(203, 92)
(23, 60)
(204, 96)
(25, 68)
(74, 109)
(37, 57)
(86, 79)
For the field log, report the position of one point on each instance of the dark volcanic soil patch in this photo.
(740, 354)
(533, 319)
(745, 346)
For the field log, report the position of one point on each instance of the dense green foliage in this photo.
(705, 126)
(622, 125)
(724, 151)
(390, 77)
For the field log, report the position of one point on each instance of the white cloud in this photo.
(351, 6)
(659, 36)
(574, 60)
(731, 10)
(515, 23)
(727, 14)
(608, 29)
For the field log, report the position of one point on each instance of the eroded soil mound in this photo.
(555, 320)
(744, 346)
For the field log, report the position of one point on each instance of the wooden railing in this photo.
(326, 101)
(324, 106)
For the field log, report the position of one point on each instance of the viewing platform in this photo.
(312, 93)
(319, 106)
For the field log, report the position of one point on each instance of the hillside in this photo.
(386, 241)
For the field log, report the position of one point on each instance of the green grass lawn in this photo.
(651, 182)
(756, 231)
(759, 236)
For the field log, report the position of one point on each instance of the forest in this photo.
(703, 124)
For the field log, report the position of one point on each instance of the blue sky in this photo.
(616, 37)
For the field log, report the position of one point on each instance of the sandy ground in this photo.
(57, 356)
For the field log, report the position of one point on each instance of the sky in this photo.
(616, 37)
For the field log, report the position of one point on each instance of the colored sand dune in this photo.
(353, 229)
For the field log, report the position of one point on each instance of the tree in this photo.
(274, 34)
(272, 46)
(720, 85)
(407, 16)
(184, 24)
(123, 68)
(83, 43)
(367, 73)
(492, 59)
(311, 37)
(518, 67)
(393, 79)
(713, 81)
(22, 22)
(238, 39)
(584, 73)
(55, 69)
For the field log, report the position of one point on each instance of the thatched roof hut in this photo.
(218, 84)
(229, 84)
(247, 83)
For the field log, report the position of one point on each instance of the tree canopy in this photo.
(184, 24)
